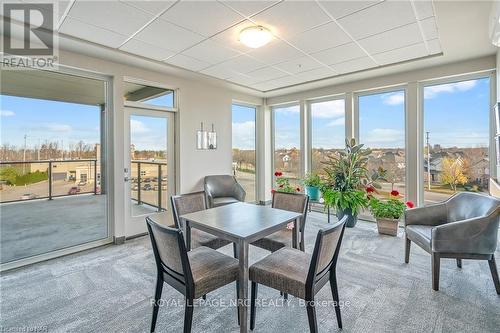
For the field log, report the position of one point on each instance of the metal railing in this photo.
(14, 193)
(145, 179)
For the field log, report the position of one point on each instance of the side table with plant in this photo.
(388, 212)
(312, 183)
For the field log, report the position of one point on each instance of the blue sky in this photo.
(243, 127)
(148, 133)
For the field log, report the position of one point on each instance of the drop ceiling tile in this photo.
(316, 74)
(289, 18)
(168, 35)
(321, 38)
(402, 54)
(339, 54)
(297, 65)
(248, 8)
(267, 73)
(275, 52)
(424, 9)
(379, 18)
(211, 52)
(282, 82)
(203, 17)
(355, 65)
(243, 79)
(392, 39)
(429, 28)
(434, 46)
(193, 64)
(147, 50)
(111, 15)
(243, 64)
(340, 9)
(219, 72)
(153, 7)
(91, 33)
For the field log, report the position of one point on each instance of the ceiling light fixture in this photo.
(256, 36)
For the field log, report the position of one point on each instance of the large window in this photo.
(327, 131)
(287, 155)
(456, 138)
(382, 129)
(244, 148)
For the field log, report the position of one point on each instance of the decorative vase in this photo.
(351, 219)
(313, 192)
(387, 226)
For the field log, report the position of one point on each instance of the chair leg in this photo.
(311, 315)
(285, 296)
(237, 298)
(156, 305)
(335, 294)
(459, 263)
(494, 273)
(407, 250)
(235, 250)
(252, 304)
(188, 315)
(435, 270)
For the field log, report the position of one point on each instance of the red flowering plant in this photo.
(390, 208)
(283, 184)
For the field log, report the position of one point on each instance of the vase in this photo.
(313, 192)
(387, 226)
(351, 219)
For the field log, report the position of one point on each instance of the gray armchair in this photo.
(463, 227)
(223, 190)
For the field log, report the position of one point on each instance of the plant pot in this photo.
(387, 226)
(313, 192)
(351, 219)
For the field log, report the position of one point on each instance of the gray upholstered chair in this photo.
(294, 202)
(190, 203)
(223, 190)
(463, 227)
(300, 274)
(194, 273)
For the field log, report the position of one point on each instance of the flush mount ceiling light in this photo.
(255, 36)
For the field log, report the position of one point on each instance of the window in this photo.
(327, 131)
(244, 148)
(456, 138)
(382, 129)
(147, 95)
(287, 155)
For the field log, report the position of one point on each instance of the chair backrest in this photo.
(326, 250)
(220, 185)
(187, 203)
(293, 202)
(169, 251)
(467, 205)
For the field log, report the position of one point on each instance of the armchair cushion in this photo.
(421, 235)
(221, 201)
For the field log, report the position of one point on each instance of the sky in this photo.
(243, 127)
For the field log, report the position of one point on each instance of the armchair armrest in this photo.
(431, 215)
(474, 236)
(239, 192)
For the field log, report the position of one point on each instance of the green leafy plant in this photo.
(391, 208)
(353, 200)
(312, 179)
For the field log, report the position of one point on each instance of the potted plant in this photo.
(312, 183)
(283, 184)
(388, 212)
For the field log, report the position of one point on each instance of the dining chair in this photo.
(294, 202)
(193, 273)
(300, 274)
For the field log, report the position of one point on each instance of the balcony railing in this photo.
(32, 180)
(147, 178)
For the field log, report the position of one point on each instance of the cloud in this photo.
(330, 109)
(7, 113)
(288, 109)
(56, 128)
(433, 91)
(244, 135)
(396, 98)
(336, 122)
(138, 127)
(384, 138)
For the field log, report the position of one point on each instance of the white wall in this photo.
(198, 101)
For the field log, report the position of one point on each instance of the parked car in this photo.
(135, 187)
(82, 183)
(28, 196)
(147, 187)
(147, 180)
(74, 190)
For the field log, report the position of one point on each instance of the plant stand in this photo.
(311, 202)
(388, 226)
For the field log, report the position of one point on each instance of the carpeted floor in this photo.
(109, 290)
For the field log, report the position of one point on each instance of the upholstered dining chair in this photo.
(193, 273)
(294, 202)
(223, 190)
(300, 274)
(463, 227)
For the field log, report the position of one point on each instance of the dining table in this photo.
(242, 224)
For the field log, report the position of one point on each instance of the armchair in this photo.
(223, 190)
(463, 227)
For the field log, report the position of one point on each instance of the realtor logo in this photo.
(28, 35)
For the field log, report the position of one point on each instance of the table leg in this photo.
(243, 284)
(295, 233)
(328, 214)
(188, 235)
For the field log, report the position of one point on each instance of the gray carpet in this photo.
(109, 290)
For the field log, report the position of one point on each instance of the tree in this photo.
(453, 172)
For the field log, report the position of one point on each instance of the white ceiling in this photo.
(313, 39)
